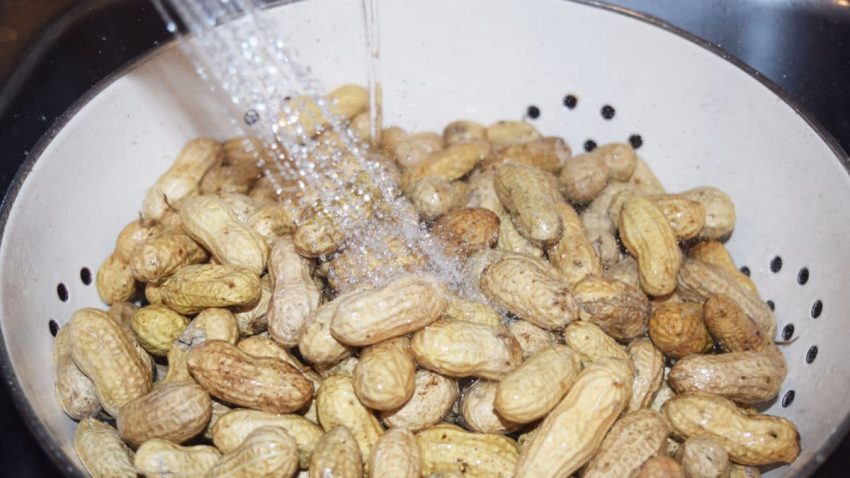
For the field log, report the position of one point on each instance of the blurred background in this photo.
(53, 51)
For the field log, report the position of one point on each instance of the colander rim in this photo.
(68, 465)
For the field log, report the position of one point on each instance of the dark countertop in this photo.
(57, 49)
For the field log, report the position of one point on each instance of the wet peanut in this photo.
(336, 455)
(531, 338)
(384, 377)
(661, 467)
(133, 234)
(719, 211)
(647, 235)
(115, 282)
(451, 163)
(649, 371)
(703, 458)
(592, 343)
(644, 181)
(677, 329)
(433, 196)
(463, 132)
(508, 133)
(194, 288)
(635, 438)
(160, 256)
(531, 196)
(158, 458)
(395, 455)
(409, 150)
(76, 393)
(686, 217)
(573, 256)
(156, 327)
(337, 405)
(476, 312)
(101, 450)
(252, 318)
(446, 448)
(479, 413)
(316, 235)
(306, 116)
(730, 327)
(467, 230)
(432, 399)
(317, 344)
(621, 310)
(175, 411)
(294, 294)
(266, 451)
(183, 177)
(713, 252)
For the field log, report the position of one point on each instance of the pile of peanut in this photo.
(613, 335)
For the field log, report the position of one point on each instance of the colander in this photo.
(589, 73)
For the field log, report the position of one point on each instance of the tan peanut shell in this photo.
(647, 235)
(211, 324)
(661, 467)
(699, 280)
(462, 309)
(547, 154)
(336, 455)
(133, 234)
(529, 289)
(533, 389)
(384, 377)
(634, 438)
(337, 405)
(768, 439)
(447, 447)
(272, 220)
(644, 181)
(719, 211)
(183, 177)
(625, 271)
(479, 412)
(198, 287)
(511, 240)
(746, 378)
(400, 307)
(175, 411)
(686, 217)
(458, 348)
(101, 450)
(239, 169)
(467, 230)
(345, 367)
(266, 451)
(433, 196)
(432, 399)
(713, 252)
(240, 205)
(351, 268)
(583, 177)
(317, 345)
(621, 310)
(463, 131)
(218, 411)
(395, 455)
(156, 327)
(106, 355)
(677, 329)
(531, 338)
(308, 118)
(574, 430)
(160, 256)
(76, 393)
(234, 426)
(573, 256)
(231, 375)
(592, 343)
(730, 327)
(294, 294)
(114, 280)
(260, 346)
(649, 371)
(599, 226)
(316, 234)
(252, 317)
(409, 150)
(158, 458)
(530, 195)
(507, 133)
(451, 163)
(211, 222)
(703, 457)
(739, 471)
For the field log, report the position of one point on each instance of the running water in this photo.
(270, 95)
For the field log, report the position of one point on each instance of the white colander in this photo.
(702, 118)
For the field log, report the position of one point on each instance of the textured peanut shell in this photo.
(183, 177)
(531, 338)
(650, 239)
(395, 455)
(677, 329)
(352, 268)
(198, 287)
(156, 327)
(337, 405)
(635, 438)
(686, 217)
(508, 133)
(133, 234)
(719, 211)
(746, 378)
(738, 471)
(583, 177)
(644, 181)
(432, 399)
(714, 252)
(478, 410)
(252, 318)
(260, 346)
(574, 430)
(240, 205)
(531, 390)
(384, 377)
(114, 280)
(749, 439)
(621, 310)
(573, 256)
(400, 307)
(101, 450)
(76, 393)
(530, 290)
(158, 458)
(451, 163)
(592, 343)
(234, 426)
(458, 348)
(476, 312)
(336, 455)
(467, 230)
(531, 196)
(547, 154)
(107, 356)
(158, 257)
(211, 324)
(294, 294)
(463, 131)
(175, 411)
(266, 451)
(231, 375)
(649, 371)
(317, 234)
(409, 150)
(730, 327)
(273, 219)
(433, 196)
(661, 467)
(446, 448)
(308, 118)
(239, 170)
(512, 241)
(317, 344)
(702, 457)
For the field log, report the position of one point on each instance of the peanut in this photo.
(101, 450)
(730, 327)
(114, 280)
(647, 235)
(105, 354)
(599, 226)
(534, 388)
(450, 164)
(703, 458)
(738, 471)
(713, 252)
(463, 349)
(677, 329)
(294, 295)
(573, 255)
(211, 324)
(234, 426)
(531, 196)
(264, 347)
(344, 367)
(592, 343)
(337, 404)
(585, 175)
(156, 327)
(621, 310)
(767, 440)
(252, 318)
(239, 169)
(336, 455)
(198, 287)
(162, 459)
(240, 205)
(661, 467)
(719, 211)
(512, 241)
(266, 451)
(463, 132)
(305, 116)
(160, 256)
(317, 344)
(476, 312)
(133, 234)
(508, 133)
(547, 154)
(273, 219)
(395, 455)
(467, 230)
(625, 271)
(183, 178)
(432, 399)
(384, 378)
(446, 447)
(649, 371)
(400, 307)
(76, 393)
(175, 411)
(644, 181)
(531, 338)
(218, 411)
(409, 150)
(352, 268)
(479, 412)
(529, 289)
(574, 430)
(231, 375)
(433, 196)
(686, 217)
(316, 235)
(635, 438)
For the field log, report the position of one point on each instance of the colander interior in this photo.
(585, 73)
